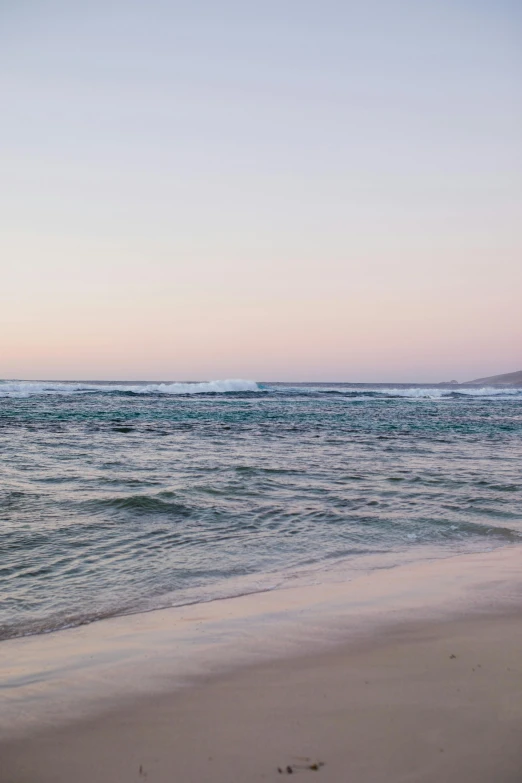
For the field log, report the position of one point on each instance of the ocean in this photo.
(125, 497)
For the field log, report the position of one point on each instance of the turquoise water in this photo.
(124, 497)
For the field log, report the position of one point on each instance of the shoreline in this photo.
(73, 674)
(344, 570)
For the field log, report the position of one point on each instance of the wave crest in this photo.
(30, 388)
(412, 392)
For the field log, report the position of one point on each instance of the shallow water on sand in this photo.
(124, 497)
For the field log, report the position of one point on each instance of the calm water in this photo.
(118, 498)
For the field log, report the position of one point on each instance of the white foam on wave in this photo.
(31, 388)
(439, 393)
(359, 393)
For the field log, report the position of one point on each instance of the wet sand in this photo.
(405, 675)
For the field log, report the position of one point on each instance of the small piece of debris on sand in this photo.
(289, 770)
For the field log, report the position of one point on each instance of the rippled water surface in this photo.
(118, 497)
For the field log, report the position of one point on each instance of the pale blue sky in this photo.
(288, 190)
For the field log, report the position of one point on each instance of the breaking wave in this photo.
(238, 385)
(412, 392)
(438, 393)
(30, 388)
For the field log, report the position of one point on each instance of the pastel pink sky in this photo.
(261, 193)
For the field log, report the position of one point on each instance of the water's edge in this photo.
(74, 673)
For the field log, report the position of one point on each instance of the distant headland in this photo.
(508, 379)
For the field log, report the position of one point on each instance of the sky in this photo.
(285, 190)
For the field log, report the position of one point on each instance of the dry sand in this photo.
(433, 700)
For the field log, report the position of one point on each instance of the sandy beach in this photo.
(411, 674)
(431, 703)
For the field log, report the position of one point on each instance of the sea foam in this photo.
(30, 388)
(438, 393)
